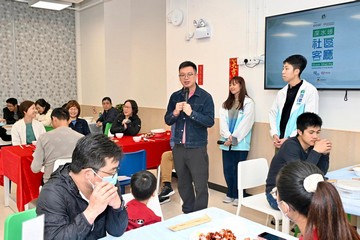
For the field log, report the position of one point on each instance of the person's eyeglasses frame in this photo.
(187, 75)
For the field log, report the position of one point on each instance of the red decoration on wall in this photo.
(233, 68)
(200, 74)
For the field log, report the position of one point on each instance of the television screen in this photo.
(329, 38)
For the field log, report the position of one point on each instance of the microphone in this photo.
(186, 94)
(220, 142)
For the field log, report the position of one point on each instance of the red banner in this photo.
(233, 68)
(200, 74)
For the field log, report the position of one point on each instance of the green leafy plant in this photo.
(119, 107)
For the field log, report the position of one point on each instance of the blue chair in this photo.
(131, 163)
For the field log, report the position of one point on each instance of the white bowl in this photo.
(137, 138)
(160, 130)
(119, 135)
(357, 171)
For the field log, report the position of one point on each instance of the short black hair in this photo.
(12, 101)
(41, 102)
(134, 106)
(308, 119)
(91, 151)
(106, 99)
(297, 61)
(188, 64)
(143, 185)
(61, 114)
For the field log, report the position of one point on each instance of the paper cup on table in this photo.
(119, 135)
(137, 138)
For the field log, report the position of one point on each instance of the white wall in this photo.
(128, 50)
(122, 52)
(238, 31)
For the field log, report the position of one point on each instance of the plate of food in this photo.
(158, 132)
(207, 234)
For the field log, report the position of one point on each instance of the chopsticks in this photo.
(21, 147)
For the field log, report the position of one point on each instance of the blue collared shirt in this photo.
(201, 118)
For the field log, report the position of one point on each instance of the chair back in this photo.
(107, 128)
(252, 173)
(13, 224)
(60, 162)
(49, 128)
(132, 162)
(153, 204)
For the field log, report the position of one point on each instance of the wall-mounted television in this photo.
(329, 38)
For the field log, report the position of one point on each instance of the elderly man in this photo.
(56, 144)
(82, 199)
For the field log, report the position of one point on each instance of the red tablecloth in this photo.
(154, 148)
(16, 166)
(15, 163)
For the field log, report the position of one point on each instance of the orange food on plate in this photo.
(223, 234)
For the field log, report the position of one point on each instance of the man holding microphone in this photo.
(192, 110)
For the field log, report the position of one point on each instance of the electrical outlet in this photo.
(251, 60)
(242, 61)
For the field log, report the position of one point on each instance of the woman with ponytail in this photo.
(312, 203)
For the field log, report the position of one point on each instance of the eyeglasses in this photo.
(188, 75)
(110, 174)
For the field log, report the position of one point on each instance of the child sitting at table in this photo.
(143, 186)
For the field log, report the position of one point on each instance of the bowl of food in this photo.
(158, 132)
(357, 171)
(137, 138)
(119, 135)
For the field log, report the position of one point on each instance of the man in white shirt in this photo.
(55, 144)
(297, 97)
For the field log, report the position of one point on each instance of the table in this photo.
(16, 163)
(154, 148)
(351, 206)
(220, 219)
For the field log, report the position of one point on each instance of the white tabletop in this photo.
(221, 219)
(351, 206)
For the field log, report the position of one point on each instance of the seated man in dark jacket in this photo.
(3, 135)
(11, 111)
(306, 146)
(80, 200)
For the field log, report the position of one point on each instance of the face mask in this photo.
(285, 214)
(110, 179)
(92, 185)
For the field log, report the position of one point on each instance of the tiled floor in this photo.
(169, 209)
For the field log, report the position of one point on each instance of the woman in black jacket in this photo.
(127, 122)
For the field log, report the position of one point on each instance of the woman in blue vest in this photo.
(236, 121)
